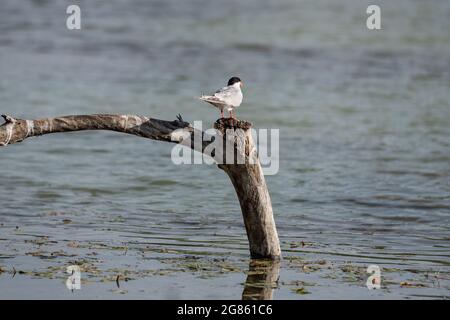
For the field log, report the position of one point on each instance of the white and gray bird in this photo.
(228, 98)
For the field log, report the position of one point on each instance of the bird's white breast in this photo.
(236, 99)
(231, 95)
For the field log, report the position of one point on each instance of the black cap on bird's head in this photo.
(233, 80)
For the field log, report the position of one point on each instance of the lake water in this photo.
(364, 120)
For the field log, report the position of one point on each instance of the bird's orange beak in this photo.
(242, 84)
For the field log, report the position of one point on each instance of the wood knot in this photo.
(229, 123)
(180, 121)
(8, 119)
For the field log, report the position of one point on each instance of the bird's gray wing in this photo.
(214, 101)
(225, 93)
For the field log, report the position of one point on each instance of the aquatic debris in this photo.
(118, 277)
(298, 283)
(294, 259)
(301, 291)
(406, 284)
(73, 244)
(310, 268)
(40, 241)
(206, 267)
(119, 291)
(302, 244)
(53, 213)
(353, 273)
(46, 255)
(119, 219)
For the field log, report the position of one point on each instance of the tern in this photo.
(228, 98)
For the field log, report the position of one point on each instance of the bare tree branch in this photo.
(247, 178)
(17, 130)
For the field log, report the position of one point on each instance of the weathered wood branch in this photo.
(251, 189)
(247, 178)
(17, 130)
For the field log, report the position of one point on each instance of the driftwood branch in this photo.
(247, 178)
(251, 189)
(17, 130)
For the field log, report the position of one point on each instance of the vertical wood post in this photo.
(250, 185)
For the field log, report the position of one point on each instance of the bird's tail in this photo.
(213, 100)
(207, 98)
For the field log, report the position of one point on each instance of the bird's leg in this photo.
(221, 113)
(231, 114)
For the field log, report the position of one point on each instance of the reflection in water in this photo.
(364, 120)
(262, 278)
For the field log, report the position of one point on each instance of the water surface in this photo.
(364, 119)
